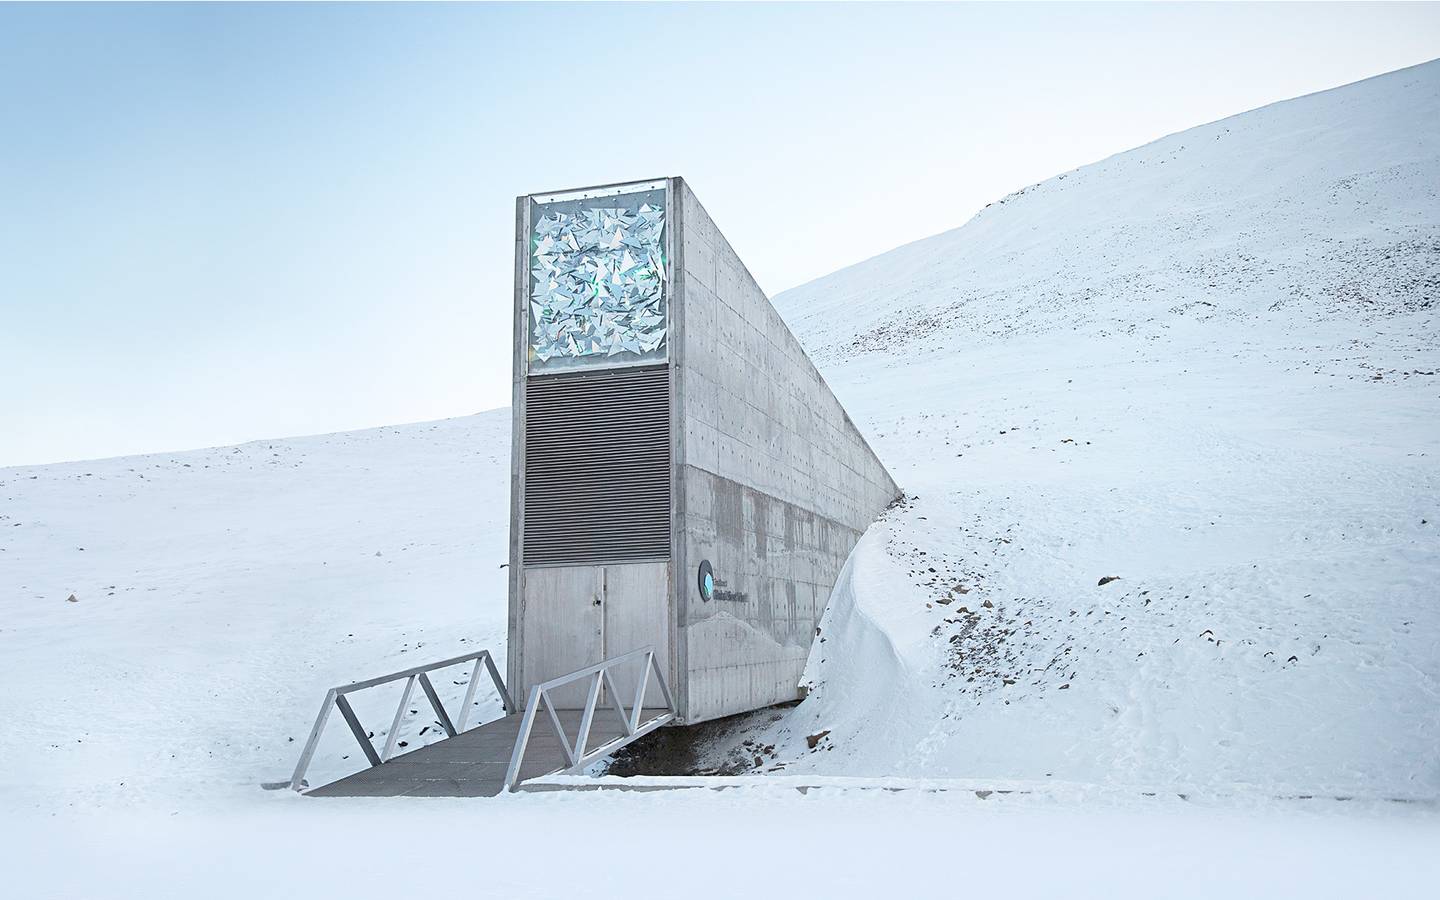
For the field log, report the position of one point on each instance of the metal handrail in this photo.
(336, 697)
(577, 756)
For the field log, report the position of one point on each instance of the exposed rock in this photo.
(1108, 578)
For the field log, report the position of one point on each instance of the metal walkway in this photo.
(473, 763)
(499, 755)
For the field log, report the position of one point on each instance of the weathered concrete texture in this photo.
(776, 482)
(775, 564)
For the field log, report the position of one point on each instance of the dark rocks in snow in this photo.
(812, 741)
(1107, 579)
(72, 599)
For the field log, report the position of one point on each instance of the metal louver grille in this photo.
(597, 467)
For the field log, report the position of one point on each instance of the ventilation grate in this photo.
(597, 467)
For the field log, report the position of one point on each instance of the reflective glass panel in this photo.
(598, 281)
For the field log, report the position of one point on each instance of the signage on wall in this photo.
(712, 588)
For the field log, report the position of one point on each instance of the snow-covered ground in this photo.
(1209, 367)
(755, 843)
(218, 593)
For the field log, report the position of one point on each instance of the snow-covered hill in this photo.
(219, 592)
(1210, 367)
(1322, 208)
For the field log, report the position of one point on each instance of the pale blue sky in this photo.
(220, 223)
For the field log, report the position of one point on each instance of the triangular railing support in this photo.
(337, 697)
(577, 753)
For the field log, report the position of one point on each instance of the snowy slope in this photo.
(1209, 366)
(1319, 207)
(219, 592)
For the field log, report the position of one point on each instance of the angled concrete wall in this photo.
(774, 483)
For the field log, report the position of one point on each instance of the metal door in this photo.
(563, 622)
(637, 614)
(576, 616)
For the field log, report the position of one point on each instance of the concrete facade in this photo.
(776, 484)
(771, 484)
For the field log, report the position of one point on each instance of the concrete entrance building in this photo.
(685, 490)
(682, 476)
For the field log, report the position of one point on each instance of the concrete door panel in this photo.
(637, 614)
(563, 621)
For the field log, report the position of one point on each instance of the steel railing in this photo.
(577, 755)
(336, 697)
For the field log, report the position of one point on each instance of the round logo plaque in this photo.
(706, 581)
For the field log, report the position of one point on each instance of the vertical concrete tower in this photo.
(682, 476)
